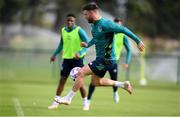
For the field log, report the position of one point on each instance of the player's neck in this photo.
(96, 18)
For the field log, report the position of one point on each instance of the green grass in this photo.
(31, 81)
(35, 97)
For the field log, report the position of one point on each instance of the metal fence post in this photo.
(178, 69)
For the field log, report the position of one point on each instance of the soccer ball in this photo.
(74, 72)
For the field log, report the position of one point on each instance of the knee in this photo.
(80, 73)
(100, 82)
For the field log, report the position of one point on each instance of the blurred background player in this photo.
(73, 54)
(143, 81)
(102, 31)
(120, 40)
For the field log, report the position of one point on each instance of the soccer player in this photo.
(70, 45)
(143, 81)
(119, 40)
(102, 32)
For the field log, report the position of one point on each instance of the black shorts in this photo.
(68, 64)
(100, 66)
(113, 72)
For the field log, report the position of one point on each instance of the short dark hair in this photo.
(91, 6)
(70, 15)
(117, 19)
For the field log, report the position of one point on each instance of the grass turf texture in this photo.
(30, 81)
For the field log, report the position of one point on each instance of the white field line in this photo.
(18, 108)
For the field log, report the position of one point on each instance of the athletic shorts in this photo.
(68, 64)
(100, 66)
(113, 72)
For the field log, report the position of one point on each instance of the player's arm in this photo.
(87, 45)
(57, 51)
(92, 42)
(128, 55)
(85, 39)
(113, 27)
(83, 35)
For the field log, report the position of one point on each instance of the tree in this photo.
(154, 17)
(64, 7)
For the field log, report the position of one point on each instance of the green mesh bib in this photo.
(71, 43)
(118, 42)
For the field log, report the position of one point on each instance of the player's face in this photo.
(70, 21)
(88, 16)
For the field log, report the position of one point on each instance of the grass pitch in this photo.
(27, 87)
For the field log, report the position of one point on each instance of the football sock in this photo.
(71, 94)
(85, 99)
(89, 101)
(119, 84)
(91, 90)
(115, 88)
(57, 96)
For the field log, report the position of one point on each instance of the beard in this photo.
(90, 21)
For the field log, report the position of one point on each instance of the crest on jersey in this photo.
(99, 29)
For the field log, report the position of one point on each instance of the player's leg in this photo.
(113, 74)
(90, 91)
(64, 75)
(61, 85)
(99, 68)
(97, 81)
(83, 91)
(84, 71)
(59, 90)
(90, 94)
(94, 67)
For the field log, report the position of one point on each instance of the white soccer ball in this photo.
(74, 72)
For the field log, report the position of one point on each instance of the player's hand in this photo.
(77, 56)
(141, 46)
(52, 59)
(83, 44)
(125, 66)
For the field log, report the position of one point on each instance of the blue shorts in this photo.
(68, 64)
(100, 66)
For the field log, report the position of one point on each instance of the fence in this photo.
(35, 63)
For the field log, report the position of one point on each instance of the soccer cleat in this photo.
(128, 87)
(63, 100)
(54, 105)
(116, 97)
(86, 105)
